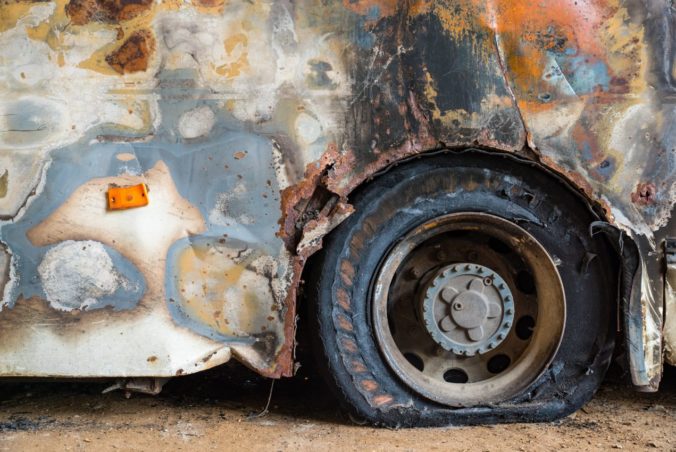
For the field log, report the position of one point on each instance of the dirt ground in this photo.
(221, 410)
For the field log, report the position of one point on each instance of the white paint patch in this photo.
(12, 278)
(75, 275)
(628, 226)
(196, 122)
(220, 214)
(308, 128)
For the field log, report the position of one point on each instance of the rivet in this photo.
(468, 267)
(509, 311)
(501, 336)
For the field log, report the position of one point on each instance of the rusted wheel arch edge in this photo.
(319, 176)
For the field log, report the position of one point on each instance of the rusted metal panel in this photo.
(242, 115)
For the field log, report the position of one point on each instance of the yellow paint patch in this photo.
(218, 288)
(235, 47)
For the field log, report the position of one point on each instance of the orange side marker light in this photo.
(120, 198)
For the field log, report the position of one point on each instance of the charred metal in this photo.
(252, 123)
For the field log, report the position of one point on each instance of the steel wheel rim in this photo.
(441, 376)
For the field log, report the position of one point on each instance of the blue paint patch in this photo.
(607, 168)
(71, 167)
(373, 13)
(361, 35)
(228, 175)
(586, 151)
(584, 74)
(176, 302)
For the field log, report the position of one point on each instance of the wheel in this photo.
(464, 289)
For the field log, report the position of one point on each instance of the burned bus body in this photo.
(472, 192)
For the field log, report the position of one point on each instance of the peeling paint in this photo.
(252, 123)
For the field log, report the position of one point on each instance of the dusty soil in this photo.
(221, 410)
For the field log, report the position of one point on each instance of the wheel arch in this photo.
(328, 202)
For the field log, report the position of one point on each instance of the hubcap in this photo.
(468, 309)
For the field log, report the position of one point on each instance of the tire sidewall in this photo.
(404, 199)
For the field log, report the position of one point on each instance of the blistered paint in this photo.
(251, 123)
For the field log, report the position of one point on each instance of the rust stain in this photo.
(284, 362)
(82, 12)
(133, 55)
(294, 199)
(364, 7)
(644, 194)
(209, 3)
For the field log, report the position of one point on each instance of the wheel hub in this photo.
(468, 309)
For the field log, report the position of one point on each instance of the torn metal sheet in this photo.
(251, 123)
(670, 302)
